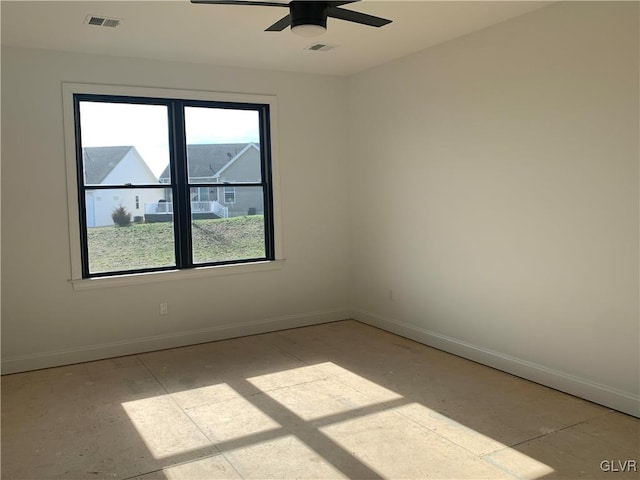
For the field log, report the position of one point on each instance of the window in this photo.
(229, 195)
(169, 161)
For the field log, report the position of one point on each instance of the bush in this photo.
(121, 217)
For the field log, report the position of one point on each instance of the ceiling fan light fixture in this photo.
(308, 18)
(308, 30)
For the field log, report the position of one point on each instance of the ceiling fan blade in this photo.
(280, 25)
(241, 2)
(337, 3)
(357, 17)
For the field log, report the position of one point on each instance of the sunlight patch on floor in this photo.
(356, 416)
(210, 468)
(347, 377)
(285, 378)
(284, 457)
(163, 427)
(521, 465)
(205, 395)
(233, 420)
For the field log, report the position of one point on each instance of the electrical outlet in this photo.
(391, 295)
(164, 308)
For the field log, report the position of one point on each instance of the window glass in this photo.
(120, 238)
(223, 145)
(223, 233)
(229, 195)
(161, 193)
(123, 143)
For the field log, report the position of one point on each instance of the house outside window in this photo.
(171, 170)
(229, 195)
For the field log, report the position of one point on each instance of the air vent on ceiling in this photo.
(102, 21)
(321, 47)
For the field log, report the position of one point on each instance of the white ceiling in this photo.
(234, 36)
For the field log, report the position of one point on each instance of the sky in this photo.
(146, 128)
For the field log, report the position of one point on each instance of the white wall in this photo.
(46, 322)
(494, 189)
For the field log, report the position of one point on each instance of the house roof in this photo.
(238, 155)
(99, 161)
(205, 160)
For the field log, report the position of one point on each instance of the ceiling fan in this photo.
(306, 17)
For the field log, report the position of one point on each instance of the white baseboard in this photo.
(23, 363)
(626, 402)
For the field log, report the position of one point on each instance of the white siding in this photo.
(131, 169)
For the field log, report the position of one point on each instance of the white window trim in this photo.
(175, 275)
(79, 283)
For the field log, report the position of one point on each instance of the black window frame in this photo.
(179, 183)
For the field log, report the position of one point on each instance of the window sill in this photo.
(174, 275)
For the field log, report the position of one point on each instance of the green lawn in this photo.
(152, 244)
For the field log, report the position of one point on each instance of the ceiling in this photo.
(235, 36)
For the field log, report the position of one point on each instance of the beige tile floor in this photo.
(340, 400)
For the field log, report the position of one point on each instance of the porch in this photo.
(162, 211)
